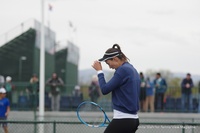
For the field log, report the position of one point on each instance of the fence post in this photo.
(193, 125)
(35, 126)
(183, 128)
(54, 127)
(34, 86)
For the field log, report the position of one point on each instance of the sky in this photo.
(153, 34)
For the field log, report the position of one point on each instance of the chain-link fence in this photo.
(77, 127)
(67, 122)
(24, 118)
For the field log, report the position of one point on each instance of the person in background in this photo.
(94, 90)
(77, 92)
(55, 84)
(9, 88)
(33, 90)
(160, 89)
(142, 92)
(124, 86)
(4, 109)
(186, 97)
(149, 95)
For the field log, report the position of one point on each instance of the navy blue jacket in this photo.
(124, 85)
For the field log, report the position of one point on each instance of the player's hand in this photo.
(97, 65)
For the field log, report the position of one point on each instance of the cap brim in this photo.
(101, 60)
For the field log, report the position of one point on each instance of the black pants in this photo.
(159, 100)
(122, 126)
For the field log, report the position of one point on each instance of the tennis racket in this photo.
(92, 115)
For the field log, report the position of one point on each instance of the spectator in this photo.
(149, 95)
(32, 90)
(142, 92)
(94, 90)
(77, 92)
(55, 84)
(160, 89)
(4, 108)
(186, 96)
(9, 88)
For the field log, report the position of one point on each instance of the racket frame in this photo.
(103, 124)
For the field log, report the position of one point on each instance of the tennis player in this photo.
(124, 86)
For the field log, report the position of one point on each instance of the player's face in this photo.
(112, 63)
(109, 63)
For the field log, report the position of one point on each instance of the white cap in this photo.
(2, 90)
(77, 87)
(8, 78)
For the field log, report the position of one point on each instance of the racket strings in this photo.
(91, 114)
